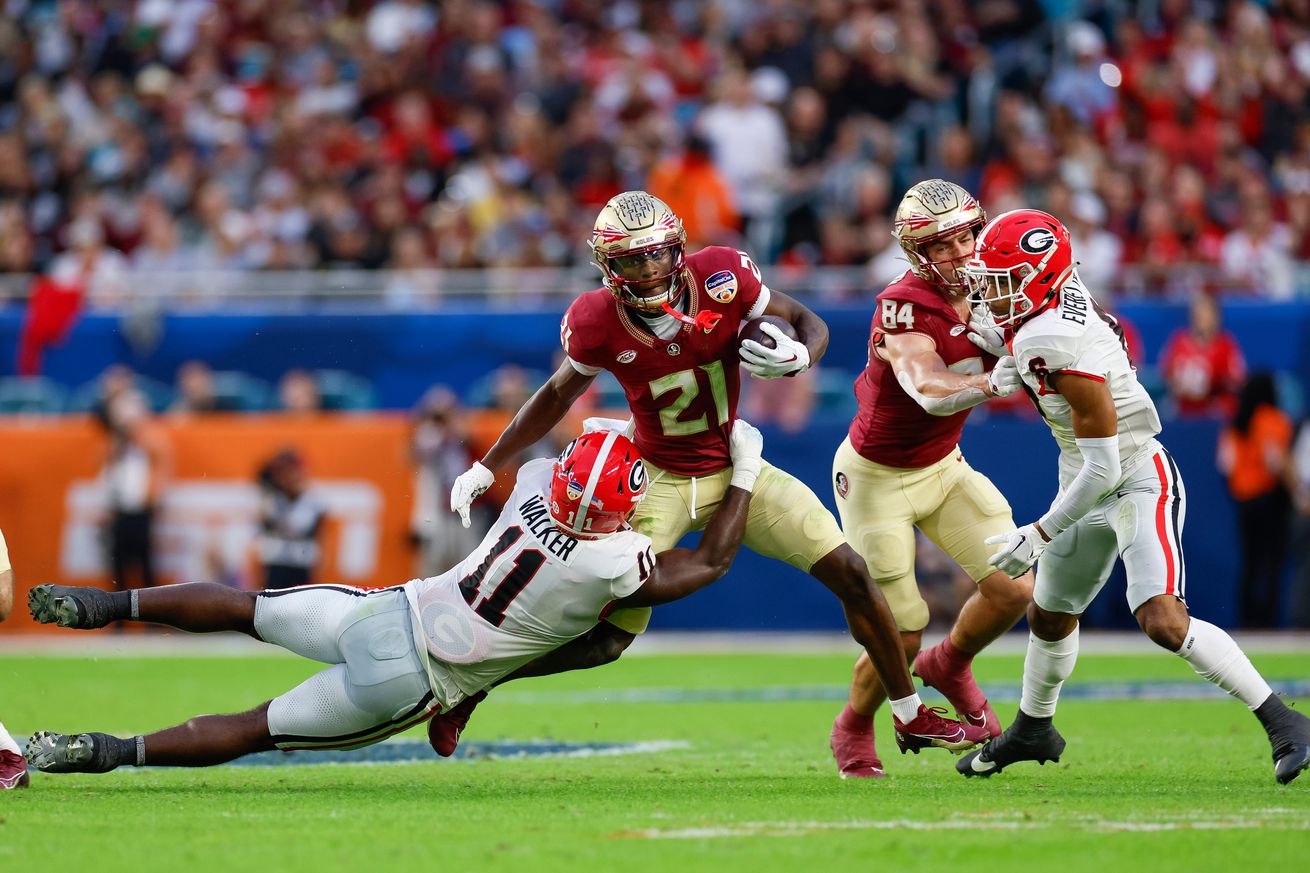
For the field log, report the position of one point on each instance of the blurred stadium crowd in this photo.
(246, 135)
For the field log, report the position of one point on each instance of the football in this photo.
(753, 330)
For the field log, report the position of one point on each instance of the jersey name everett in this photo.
(682, 391)
(891, 428)
(527, 589)
(1077, 336)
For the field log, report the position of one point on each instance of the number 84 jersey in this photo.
(682, 390)
(527, 589)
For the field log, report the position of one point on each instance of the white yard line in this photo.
(1273, 819)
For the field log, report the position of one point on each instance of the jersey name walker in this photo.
(1077, 336)
(527, 589)
(891, 428)
(682, 391)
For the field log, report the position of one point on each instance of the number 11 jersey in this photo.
(527, 589)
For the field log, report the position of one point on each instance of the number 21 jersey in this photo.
(682, 391)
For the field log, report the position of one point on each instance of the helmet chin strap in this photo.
(705, 319)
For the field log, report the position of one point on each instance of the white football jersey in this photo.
(1077, 336)
(527, 589)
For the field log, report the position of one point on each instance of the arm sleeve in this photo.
(1100, 471)
(584, 369)
(761, 304)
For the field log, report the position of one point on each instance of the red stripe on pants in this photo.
(1160, 526)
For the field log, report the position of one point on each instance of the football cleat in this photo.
(1027, 739)
(855, 754)
(13, 770)
(70, 606)
(70, 753)
(958, 687)
(930, 727)
(1290, 739)
(445, 727)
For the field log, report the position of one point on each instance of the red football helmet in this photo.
(1019, 264)
(598, 481)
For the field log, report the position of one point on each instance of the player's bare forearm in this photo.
(810, 329)
(680, 572)
(6, 593)
(914, 356)
(601, 645)
(539, 415)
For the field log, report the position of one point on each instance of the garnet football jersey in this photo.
(682, 391)
(890, 427)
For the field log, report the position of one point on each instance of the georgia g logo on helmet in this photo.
(1037, 240)
(637, 477)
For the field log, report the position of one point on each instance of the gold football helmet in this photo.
(929, 211)
(639, 244)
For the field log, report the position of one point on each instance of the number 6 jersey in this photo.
(527, 589)
(683, 390)
(1077, 336)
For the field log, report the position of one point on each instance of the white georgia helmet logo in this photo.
(1037, 240)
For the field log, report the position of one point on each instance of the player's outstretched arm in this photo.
(6, 593)
(925, 377)
(1095, 428)
(680, 572)
(539, 415)
(542, 412)
(811, 330)
(6, 581)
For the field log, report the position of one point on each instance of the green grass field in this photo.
(1144, 784)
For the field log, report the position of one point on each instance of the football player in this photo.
(1120, 495)
(931, 360)
(560, 557)
(665, 323)
(13, 769)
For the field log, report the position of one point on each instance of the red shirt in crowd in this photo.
(1204, 375)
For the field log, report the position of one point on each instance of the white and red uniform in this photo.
(1141, 516)
(527, 589)
(399, 654)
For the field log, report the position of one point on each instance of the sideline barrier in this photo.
(404, 354)
(48, 509)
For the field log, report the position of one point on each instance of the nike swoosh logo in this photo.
(977, 759)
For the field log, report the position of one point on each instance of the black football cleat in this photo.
(70, 606)
(71, 753)
(1290, 738)
(1027, 739)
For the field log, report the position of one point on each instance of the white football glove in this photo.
(745, 446)
(1020, 550)
(468, 487)
(789, 357)
(985, 334)
(625, 427)
(1004, 379)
